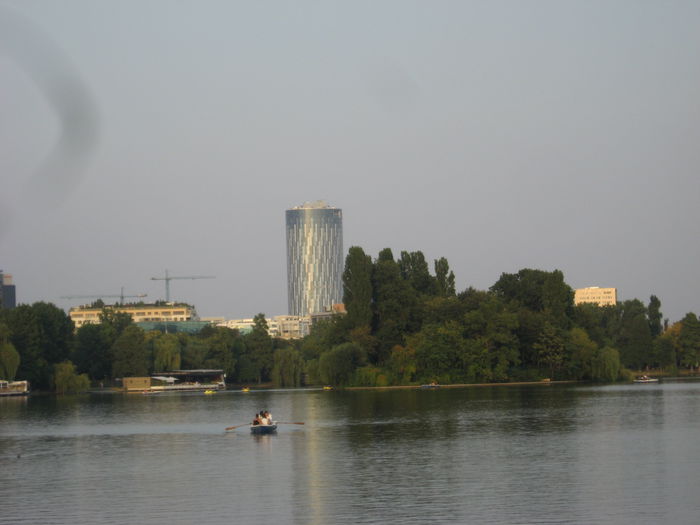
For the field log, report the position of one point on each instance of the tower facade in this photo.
(314, 257)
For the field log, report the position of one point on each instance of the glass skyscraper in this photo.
(314, 257)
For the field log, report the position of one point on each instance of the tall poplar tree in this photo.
(357, 288)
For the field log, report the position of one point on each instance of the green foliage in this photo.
(444, 278)
(580, 352)
(550, 349)
(9, 361)
(357, 288)
(337, 366)
(194, 352)
(440, 350)
(403, 365)
(312, 373)
(370, 376)
(665, 352)
(42, 335)
(223, 345)
(131, 356)
(689, 341)
(259, 349)
(166, 352)
(414, 269)
(394, 306)
(633, 337)
(605, 365)
(67, 381)
(539, 291)
(92, 353)
(288, 367)
(654, 314)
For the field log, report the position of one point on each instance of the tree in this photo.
(439, 351)
(55, 332)
(259, 348)
(550, 348)
(130, 353)
(9, 357)
(67, 380)
(357, 288)
(166, 352)
(92, 351)
(444, 278)
(337, 365)
(654, 315)
(394, 306)
(402, 364)
(605, 365)
(414, 269)
(540, 291)
(665, 352)
(580, 352)
(194, 352)
(689, 341)
(633, 335)
(223, 347)
(288, 367)
(25, 336)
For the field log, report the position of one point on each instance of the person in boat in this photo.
(268, 416)
(256, 420)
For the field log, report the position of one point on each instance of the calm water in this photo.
(544, 454)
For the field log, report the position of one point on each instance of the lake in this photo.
(504, 454)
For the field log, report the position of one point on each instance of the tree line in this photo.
(405, 324)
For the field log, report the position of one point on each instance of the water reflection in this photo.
(491, 455)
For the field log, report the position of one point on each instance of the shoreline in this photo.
(458, 385)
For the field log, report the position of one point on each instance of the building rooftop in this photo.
(313, 205)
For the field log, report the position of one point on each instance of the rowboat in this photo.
(263, 429)
(646, 379)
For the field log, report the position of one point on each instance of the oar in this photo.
(289, 422)
(237, 426)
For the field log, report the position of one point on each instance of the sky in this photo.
(139, 136)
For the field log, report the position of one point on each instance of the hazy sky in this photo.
(139, 135)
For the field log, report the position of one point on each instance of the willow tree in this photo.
(288, 367)
(9, 357)
(166, 352)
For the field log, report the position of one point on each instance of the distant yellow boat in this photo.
(209, 392)
(245, 389)
(328, 387)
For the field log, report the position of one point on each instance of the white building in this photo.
(282, 326)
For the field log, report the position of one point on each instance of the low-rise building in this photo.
(328, 313)
(596, 295)
(282, 326)
(167, 312)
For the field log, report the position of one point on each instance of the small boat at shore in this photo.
(14, 388)
(263, 429)
(646, 379)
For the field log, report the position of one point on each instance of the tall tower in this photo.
(314, 257)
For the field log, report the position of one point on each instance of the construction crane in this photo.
(169, 278)
(104, 296)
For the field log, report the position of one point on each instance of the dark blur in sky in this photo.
(138, 136)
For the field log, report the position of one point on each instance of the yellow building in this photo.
(139, 313)
(596, 295)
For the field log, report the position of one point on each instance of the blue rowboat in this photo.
(263, 429)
